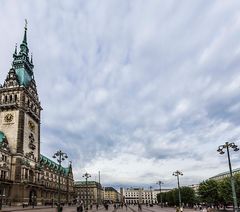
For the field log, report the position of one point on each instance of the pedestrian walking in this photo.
(80, 208)
(139, 207)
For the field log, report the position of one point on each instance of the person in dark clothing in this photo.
(139, 207)
(80, 208)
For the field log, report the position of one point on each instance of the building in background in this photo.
(92, 192)
(140, 195)
(112, 195)
(224, 174)
(195, 187)
(26, 176)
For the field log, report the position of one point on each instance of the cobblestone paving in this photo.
(155, 208)
(131, 208)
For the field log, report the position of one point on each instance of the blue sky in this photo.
(135, 89)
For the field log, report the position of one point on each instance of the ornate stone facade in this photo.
(26, 176)
(90, 193)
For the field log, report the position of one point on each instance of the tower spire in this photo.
(15, 52)
(23, 46)
(25, 32)
(22, 63)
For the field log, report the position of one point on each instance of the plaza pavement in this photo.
(130, 208)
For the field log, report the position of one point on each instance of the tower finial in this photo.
(15, 49)
(26, 24)
(25, 32)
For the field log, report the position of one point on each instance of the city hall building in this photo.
(26, 176)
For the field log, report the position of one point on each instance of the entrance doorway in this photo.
(32, 197)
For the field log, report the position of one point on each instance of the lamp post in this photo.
(235, 148)
(86, 176)
(160, 190)
(177, 173)
(61, 156)
(151, 195)
(1, 196)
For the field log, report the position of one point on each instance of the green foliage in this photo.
(237, 185)
(208, 191)
(188, 195)
(225, 191)
(215, 192)
(171, 197)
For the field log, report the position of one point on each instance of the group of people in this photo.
(179, 209)
(80, 208)
(203, 208)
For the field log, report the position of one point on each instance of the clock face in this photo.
(31, 126)
(8, 117)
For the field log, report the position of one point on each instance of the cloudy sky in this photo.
(135, 89)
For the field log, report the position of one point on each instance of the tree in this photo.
(172, 198)
(225, 191)
(208, 192)
(188, 195)
(237, 184)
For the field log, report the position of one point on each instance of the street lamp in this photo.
(1, 196)
(160, 189)
(151, 195)
(221, 151)
(177, 173)
(61, 156)
(86, 176)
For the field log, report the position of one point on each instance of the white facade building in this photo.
(140, 195)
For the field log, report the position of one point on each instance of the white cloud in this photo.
(138, 89)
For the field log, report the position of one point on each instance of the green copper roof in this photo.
(22, 63)
(53, 165)
(2, 136)
(23, 77)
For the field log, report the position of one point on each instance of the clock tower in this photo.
(20, 110)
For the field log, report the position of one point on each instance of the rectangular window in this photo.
(26, 174)
(4, 158)
(3, 174)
